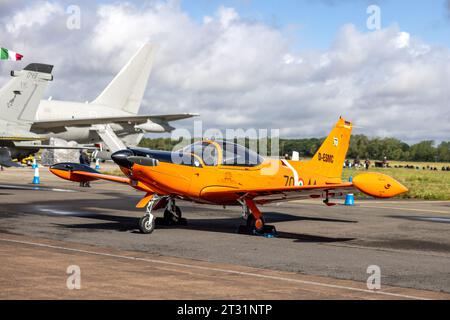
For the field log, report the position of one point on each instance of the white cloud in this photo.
(227, 16)
(36, 15)
(238, 73)
(402, 40)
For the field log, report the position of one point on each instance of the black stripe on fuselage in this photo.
(69, 166)
(185, 159)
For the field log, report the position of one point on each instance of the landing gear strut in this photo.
(255, 220)
(147, 222)
(173, 214)
(327, 200)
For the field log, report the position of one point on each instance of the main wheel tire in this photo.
(145, 225)
(255, 226)
(172, 219)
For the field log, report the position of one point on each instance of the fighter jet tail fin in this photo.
(127, 89)
(20, 97)
(329, 159)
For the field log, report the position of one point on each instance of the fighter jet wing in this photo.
(267, 195)
(106, 120)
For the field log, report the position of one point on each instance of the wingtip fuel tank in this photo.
(378, 185)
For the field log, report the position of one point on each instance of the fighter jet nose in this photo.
(121, 158)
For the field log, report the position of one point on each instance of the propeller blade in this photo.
(143, 161)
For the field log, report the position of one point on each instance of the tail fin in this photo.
(329, 159)
(20, 97)
(126, 90)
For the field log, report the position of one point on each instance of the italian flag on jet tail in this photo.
(6, 54)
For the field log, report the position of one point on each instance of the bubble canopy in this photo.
(214, 153)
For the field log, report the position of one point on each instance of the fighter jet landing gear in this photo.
(173, 214)
(256, 224)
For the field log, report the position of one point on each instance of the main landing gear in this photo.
(172, 214)
(256, 224)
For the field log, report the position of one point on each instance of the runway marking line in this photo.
(191, 266)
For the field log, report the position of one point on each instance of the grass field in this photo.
(422, 184)
(438, 165)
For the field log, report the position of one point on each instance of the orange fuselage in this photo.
(192, 182)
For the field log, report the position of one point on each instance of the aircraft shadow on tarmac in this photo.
(89, 209)
(221, 225)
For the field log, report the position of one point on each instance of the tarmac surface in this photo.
(321, 252)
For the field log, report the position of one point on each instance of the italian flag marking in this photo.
(6, 54)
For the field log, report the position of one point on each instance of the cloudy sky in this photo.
(292, 65)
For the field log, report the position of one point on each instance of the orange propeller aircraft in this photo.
(224, 173)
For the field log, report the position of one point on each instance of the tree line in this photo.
(361, 147)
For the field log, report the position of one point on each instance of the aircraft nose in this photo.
(121, 158)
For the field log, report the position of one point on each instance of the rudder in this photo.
(127, 89)
(20, 96)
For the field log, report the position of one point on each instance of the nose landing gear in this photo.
(147, 222)
(172, 214)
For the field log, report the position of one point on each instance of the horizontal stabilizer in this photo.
(39, 67)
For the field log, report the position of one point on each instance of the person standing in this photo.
(84, 159)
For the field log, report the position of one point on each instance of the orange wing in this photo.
(78, 172)
(266, 195)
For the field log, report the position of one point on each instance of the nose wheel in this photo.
(147, 224)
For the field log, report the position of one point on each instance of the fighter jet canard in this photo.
(112, 118)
